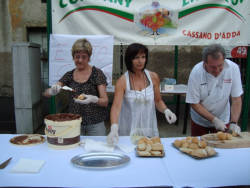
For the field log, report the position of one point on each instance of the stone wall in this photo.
(15, 17)
(6, 81)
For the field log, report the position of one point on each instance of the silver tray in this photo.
(100, 160)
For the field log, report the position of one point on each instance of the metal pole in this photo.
(121, 59)
(176, 63)
(178, 97)
(52, 109)
(245, 105)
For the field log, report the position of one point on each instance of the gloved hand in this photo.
(88, 99)
(54, 90)
(113, 137)
(234, 128)
(170, 116)
(218, 124)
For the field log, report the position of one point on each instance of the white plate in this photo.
(100, 160)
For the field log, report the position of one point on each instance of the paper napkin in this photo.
(97, 146)
(126, 148)
(28, 166)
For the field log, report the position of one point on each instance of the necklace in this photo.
(139, 99)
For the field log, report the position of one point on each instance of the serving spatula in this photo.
(68, 88)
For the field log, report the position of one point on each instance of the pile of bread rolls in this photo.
(194, 147)
(224, 136)
(147, 147)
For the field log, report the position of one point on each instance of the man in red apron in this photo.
(211, 84)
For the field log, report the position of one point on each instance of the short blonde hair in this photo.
(81, 45)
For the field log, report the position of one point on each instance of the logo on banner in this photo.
(155, 19)
(239, 52)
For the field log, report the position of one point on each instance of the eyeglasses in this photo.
(81, 55)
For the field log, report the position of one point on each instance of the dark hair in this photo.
(214, 50)
(132, 51)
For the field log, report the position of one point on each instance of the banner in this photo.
(157, 22)
(61, 60)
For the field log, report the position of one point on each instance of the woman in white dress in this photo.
(137, 93)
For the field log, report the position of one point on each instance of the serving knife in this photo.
(5, 163)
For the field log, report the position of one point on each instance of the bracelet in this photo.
(233, 122)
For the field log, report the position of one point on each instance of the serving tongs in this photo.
(68, 88)
(5, 163)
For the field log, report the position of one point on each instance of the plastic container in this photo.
(63, 130)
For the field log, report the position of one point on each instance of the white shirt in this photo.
(226, 84)
(138, 114)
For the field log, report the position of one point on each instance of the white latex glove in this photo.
(234, 128)
(54, 90)
(218, 124)
(88, 99)
(113, 137)
(170, 116)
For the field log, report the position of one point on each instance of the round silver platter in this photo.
(100, 160)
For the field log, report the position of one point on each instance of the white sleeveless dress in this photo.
(138, 114)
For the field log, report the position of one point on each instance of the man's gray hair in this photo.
(214, 50)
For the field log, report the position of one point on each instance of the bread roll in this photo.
(156, 153)
(221, 135)
(210, 151)
(183, 141)
(224, 136)
(81, 97)
(219, 132)
(186, 150)
(141, 140)
(145, 140)
(189, 139)
(148, 147)
(144, 153)
(178, 143)
(156, 139)
(157, 147)
(185, 145)
(229, 136)
(148, 141)
(202, 144)
(195, 140)
(193, 146)
(141, 147)
(199, 153)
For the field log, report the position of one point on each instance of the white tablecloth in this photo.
(230, 167)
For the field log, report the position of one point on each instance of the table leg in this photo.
(186, 113)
